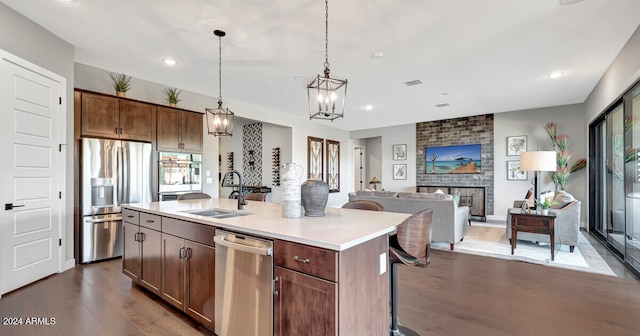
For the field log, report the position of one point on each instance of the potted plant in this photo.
(121, 83)
(171, 95)
(545, 204)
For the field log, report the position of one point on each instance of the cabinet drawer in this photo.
(131, 216)
(200, 233)
(306, 259)
(150, 221)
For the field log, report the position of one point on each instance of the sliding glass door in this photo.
(632, 176)
(614, 174)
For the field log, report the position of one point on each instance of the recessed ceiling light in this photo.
(169, 61)
(443, 105)
(445, 93)
(378, 55)
(556, 74)
(368, 107)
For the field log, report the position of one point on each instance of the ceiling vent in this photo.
(413, 82)
(442, 105)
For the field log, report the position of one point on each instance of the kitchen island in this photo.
(330, 272)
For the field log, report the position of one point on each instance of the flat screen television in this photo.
(459, 159)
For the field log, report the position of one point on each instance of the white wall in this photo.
(389, 136)
(29, 41)
(570, 121)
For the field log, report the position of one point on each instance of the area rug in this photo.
(490, 240)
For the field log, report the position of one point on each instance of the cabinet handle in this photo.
(188, 254)
(141, 236)
(116, 131)
(276, 280)
(130, 216)
(150, 221)
(182, 253)
(304, 261)
(135, 236)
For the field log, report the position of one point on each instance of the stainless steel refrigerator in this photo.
(114, 172)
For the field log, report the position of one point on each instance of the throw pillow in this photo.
(563, 198)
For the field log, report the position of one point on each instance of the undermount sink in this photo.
(217, 213)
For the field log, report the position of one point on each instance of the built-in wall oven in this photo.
(178, 173)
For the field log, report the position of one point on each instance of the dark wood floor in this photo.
(458, 294)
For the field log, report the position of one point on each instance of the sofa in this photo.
(567, 222)
(449, 219)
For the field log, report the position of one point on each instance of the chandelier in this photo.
(220, 119)
(326, 95)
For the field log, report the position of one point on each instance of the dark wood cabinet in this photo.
(179, 130)
(304, 305)
(110, 117)
(188, 277)
(130, 250)
(141, 258)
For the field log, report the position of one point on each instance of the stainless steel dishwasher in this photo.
(244, 285)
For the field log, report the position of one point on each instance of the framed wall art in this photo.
(460, 159)
(333, 165)
(516, 145)
(400, 171)
(315, 156)
(399, 152)
(513, 171)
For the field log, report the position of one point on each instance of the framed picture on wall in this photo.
(399, 152)
(513, 171)
(333, 165)
(315, 156)
(516, 145)
(399, 171)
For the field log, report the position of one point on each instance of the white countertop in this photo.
(338, 230)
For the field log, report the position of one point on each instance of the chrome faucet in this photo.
(229, 175)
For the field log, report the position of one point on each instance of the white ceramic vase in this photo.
(291, 202)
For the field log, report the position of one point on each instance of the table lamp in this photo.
(374, 181)
(538, 161)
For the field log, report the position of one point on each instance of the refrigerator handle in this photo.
(119, 176)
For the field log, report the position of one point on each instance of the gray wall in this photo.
(29, 41)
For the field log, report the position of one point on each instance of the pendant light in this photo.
(220, 119)
(326, 95)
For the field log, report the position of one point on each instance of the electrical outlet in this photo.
(383, 263)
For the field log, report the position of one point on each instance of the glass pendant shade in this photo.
(219, 120)
(326, 97)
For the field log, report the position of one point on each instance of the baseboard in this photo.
(496, 219)
(69, 264)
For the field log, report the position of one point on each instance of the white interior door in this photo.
(359, 178)
(30, 174)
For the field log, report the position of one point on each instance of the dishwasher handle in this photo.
(244, 248)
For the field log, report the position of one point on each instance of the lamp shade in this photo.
(538, 161)
(374, 180)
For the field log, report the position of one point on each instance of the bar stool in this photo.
(363, 205)
(193, 195)
(409, 246)
(256, 197)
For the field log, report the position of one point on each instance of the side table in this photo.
(532, 222)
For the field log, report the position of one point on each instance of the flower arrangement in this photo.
(121, 82)
(546, 203)
(561, 145)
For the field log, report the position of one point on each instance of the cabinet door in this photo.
(99, 116)
(151, 260)
(173, 271)
(304, 305)
(130, 251)
(168, 129)
(135, 121)
(200, 285)
(191, 132)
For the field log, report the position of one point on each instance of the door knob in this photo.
(9, 206)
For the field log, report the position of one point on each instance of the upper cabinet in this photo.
(111, 117)
(179, 130)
